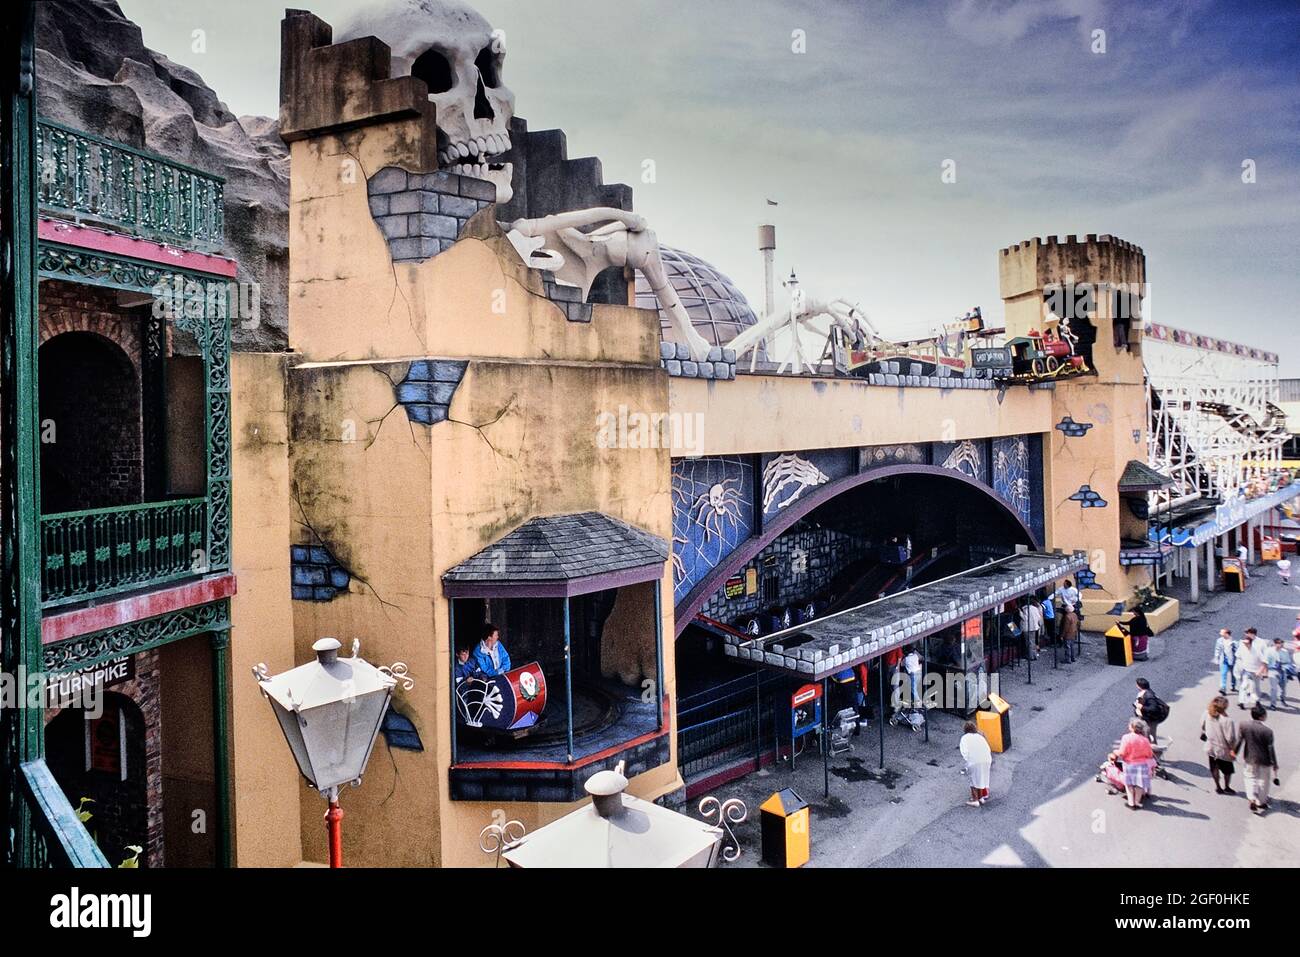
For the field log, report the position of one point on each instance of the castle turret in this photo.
(1094, 286)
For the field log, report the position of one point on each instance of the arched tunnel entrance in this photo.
(851, 542)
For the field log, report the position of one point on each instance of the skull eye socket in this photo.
(486, 61)
(435, 70)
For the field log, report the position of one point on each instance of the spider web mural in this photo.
(713, 512)
(1011, 475)
(966, 456)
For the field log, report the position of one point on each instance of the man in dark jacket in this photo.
(1260, 756)
(1149, 708)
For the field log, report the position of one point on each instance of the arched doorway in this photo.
(935, 507)
(102, 757)
(91, 435)
(844, 544)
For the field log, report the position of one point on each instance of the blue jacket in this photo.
(483, 661)
(465, 671)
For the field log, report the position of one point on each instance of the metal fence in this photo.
(101, 551)
(727, 723)
(140, 192)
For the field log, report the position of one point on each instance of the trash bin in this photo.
(1270, 549)
(784, 829)
(994, 723)
(1119, 647)
(1234, 576)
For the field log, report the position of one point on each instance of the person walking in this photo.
(1221, 737)
(1250, 668)
(1260, 756)
(1284, 570)
(1225, 656)
(977, 754)
(1281, 666)
(1149, 708)
(1138, 758)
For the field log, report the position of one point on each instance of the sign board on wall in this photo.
(998, 358)
(751, 581)
(734, 587)
(75, 687)
(972, 627)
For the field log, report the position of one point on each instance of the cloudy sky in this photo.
(1146, 140)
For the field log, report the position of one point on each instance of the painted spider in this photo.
(716, 507)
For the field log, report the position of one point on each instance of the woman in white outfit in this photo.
(978, 755)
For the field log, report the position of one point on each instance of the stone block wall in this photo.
(422, 214)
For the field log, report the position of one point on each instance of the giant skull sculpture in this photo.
(455, 51)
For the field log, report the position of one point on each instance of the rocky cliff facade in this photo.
(95, 73)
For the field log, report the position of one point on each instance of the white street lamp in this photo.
(330, 711)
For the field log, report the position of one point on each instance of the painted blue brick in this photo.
(479, 189)
(432, 224)
(323, 593)
(440, 181)
(388, 180)
(426, 414)
(413, 201)
(393, 227)
(674, 366)
(459, 206)
(308, 575)
(302, 593)
(321, 555)
(339, 578)
(690, 369)
(299, 553)
(379, 205)
(434, 393)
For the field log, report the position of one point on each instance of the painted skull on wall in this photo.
(455, 51)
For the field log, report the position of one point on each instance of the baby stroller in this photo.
(1111, 774)
(913, 718)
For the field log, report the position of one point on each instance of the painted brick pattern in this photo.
(675, 358)
(70, 307)
(315, 574)
(1088, 498)
(422, 214)
(428, 389)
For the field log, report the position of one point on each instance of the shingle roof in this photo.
(559, 548)
(1140, 477)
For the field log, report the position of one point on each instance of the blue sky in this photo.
(1145, 141)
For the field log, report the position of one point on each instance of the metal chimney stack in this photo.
(767, 246)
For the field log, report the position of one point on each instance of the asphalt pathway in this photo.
(1049, 811)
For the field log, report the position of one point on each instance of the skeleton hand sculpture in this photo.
(845, 316)
(558, 245)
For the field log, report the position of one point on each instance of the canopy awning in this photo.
(559, 556)
(820, 648)
(1140, 477)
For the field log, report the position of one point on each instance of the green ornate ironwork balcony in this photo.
(98, 552)
(95, 179)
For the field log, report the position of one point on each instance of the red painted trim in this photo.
(61, 625)
(119, 244)
(562, 765)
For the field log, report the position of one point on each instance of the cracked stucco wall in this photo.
(397, 498)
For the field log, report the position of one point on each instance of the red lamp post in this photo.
(330, 711)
